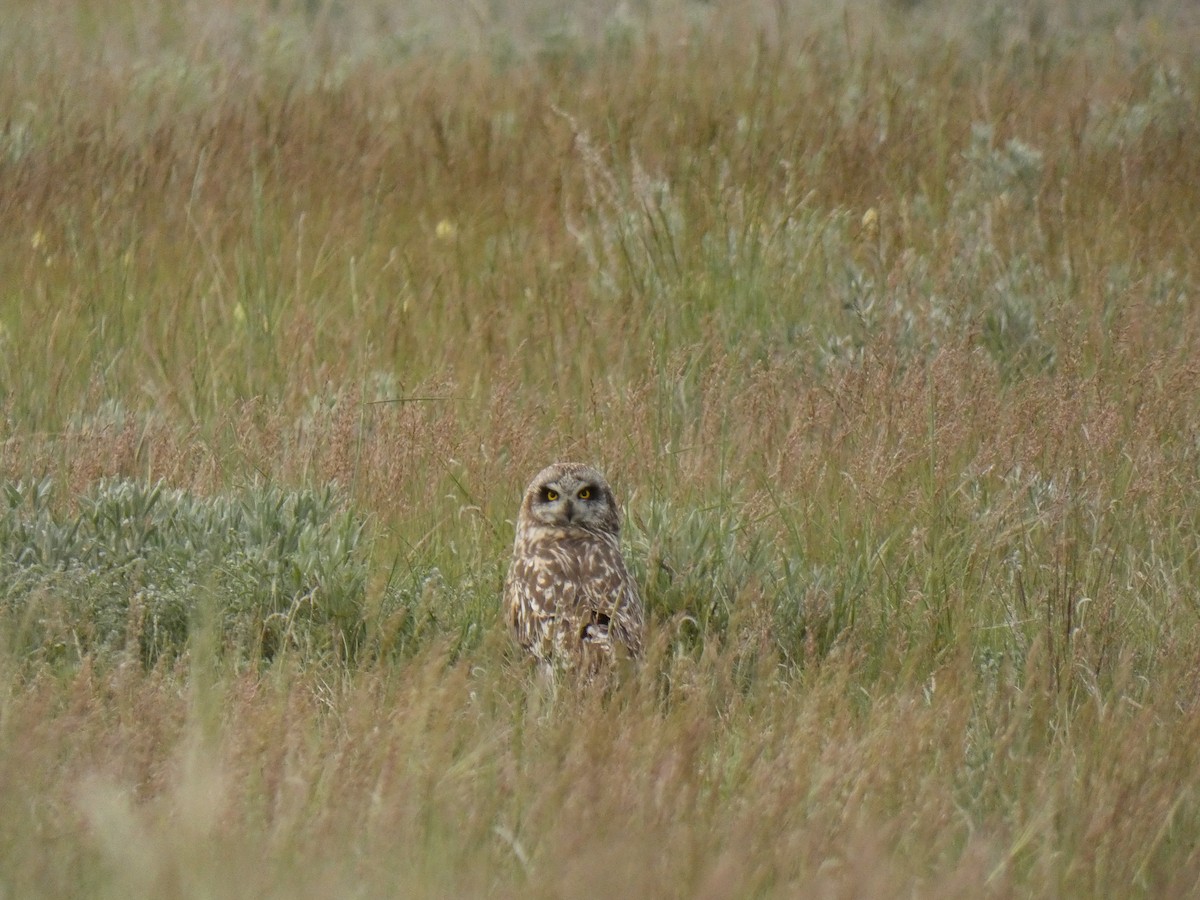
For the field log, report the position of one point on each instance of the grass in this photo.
(880, 319)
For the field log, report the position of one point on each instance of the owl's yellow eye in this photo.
(585, 494)
(551, 495)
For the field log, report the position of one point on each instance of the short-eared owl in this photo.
(568, 598)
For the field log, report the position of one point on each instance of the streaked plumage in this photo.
(569, 599)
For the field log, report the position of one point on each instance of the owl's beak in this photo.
(570, 511)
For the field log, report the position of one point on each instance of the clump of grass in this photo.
(137, 567)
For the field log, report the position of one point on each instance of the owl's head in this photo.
(571, 496)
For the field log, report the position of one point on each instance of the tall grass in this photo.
(880, 318)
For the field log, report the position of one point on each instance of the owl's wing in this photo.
(628, 617)
(614, 604)
(529, 606)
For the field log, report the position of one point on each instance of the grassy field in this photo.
(884, 322)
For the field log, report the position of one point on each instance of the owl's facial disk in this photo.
(567, 500)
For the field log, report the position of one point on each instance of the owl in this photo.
(568, 598)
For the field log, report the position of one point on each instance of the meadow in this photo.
(882, 319)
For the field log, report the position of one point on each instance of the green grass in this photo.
(880, 319)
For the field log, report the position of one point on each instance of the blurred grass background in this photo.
(880, 316)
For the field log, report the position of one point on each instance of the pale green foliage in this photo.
(137, 566)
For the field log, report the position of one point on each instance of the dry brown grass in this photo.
(435, 780)
(913, 495)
